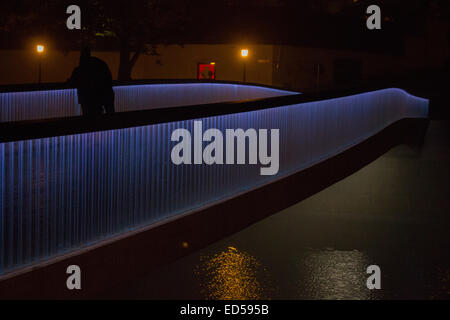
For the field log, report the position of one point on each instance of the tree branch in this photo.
(136, 56)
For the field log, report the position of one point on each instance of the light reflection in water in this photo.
(232, 275)
(332, 274)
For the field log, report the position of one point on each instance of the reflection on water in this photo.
(321, 274)
(332, 274)
(231, 275)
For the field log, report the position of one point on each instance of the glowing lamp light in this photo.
(40, 48)
(244, 52)
(212, 63)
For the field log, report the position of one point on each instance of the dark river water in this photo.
(393, 213)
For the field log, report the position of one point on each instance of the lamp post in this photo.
(40, 50)
(244, 54)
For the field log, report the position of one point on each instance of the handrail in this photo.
(43, 104)
(34, 129)
(23, 87)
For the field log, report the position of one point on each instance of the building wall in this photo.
(309, 69)
(177, 62)
(299, 68)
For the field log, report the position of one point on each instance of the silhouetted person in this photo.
(93, 81)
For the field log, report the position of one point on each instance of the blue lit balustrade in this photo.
(60, 194)
(33, 105)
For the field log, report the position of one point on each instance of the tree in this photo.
(133, 27)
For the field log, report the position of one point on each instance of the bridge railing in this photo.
(63, 102)
(69, 183)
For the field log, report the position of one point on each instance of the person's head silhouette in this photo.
(85, 54)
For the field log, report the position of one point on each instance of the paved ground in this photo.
(394, 213)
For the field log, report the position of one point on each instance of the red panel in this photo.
(206, 71)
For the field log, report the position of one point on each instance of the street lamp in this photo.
(244, 54)
(40, 50)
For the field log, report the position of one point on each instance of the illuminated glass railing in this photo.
(44, 104)
(59, 194)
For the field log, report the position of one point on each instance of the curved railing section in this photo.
(47, 104)
(59, 193)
